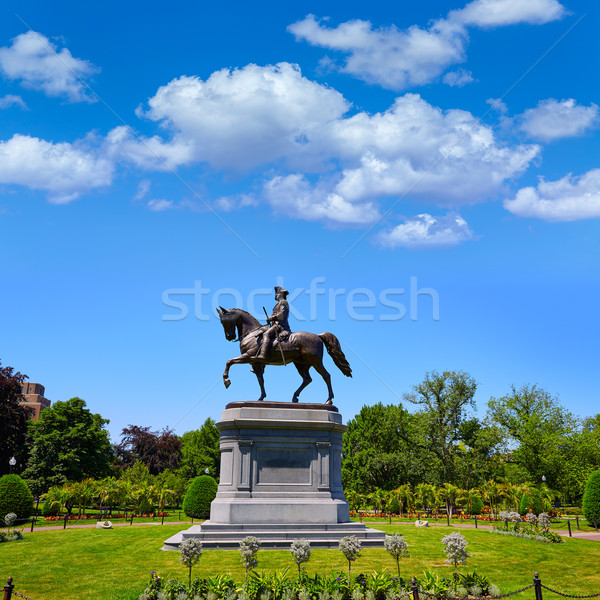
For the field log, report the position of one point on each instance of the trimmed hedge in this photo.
(530, 503)
(200, 494)
(476, 505)
(15, 497)
(591, 499)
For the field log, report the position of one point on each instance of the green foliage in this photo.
(200, 450)
(476, 505)
(530, 503)
(50, 508)
(200, 494)
(15, 497)
(591, 499)
(69, 443)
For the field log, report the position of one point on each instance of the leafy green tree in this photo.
(68, 443)
(13, 419)
(200, 451)
(444, 400)
(157, 450)
(537, 426)
(377, 451)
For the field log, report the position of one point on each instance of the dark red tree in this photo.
(157, 450)
(13, 420)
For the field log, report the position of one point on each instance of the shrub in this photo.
(201, 493)
(455, 547)
(15, 497)
(300, 550)
(476, 505)
(350, 547)
(190, 551)
(50, 508)
(530, 503)
(591, 499)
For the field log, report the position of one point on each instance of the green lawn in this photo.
(115, 564)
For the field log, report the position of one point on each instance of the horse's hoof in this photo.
(227, 383)
(295, 399)
(329, 401)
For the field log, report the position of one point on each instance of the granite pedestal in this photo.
(281, 479)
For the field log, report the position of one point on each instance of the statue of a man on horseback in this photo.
(278, 324)
(303, 349)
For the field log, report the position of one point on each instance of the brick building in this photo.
(33, 394)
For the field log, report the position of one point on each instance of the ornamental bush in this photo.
(15, 497)
(591, 499)
(200, 494)
(530, 503)
(476, 505)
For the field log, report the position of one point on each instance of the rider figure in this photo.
(277, 322)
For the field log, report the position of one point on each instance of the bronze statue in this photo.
(274, 344)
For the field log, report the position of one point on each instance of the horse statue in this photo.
(302, 348)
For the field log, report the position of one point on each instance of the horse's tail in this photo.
(335, 351)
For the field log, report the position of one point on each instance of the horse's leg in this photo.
(322, 371)
(238, 360)
(259, 371)
(303, 369)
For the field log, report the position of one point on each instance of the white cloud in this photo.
(294, 196)
(62, 170)
(229, 203)
(567, 199)
(458, 78)
(236, 119)
(159, 205)
(387, 56)
(143, 188)
(425, 232)
(36, 61)
(397, 59)
(12, 100)
(496, 13)
(553, 119)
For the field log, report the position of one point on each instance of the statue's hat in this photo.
(280, 290)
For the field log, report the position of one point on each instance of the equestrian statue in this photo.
(275, 344)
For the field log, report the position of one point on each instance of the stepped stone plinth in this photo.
(281, 479)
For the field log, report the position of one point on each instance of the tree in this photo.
(378, 452)
(537, 426)
(200, 450)
(157, 450)
(13, 419)
(68, 443)
(445, 399)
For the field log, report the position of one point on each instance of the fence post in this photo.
(569, 526)
(595, 526)
(577, 519)
(8, 588)
(448, 517)
(505, 523)
(65, 521)
(475, 521)
(537, 582)
(414, 588)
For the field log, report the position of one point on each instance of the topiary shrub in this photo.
(200, 494)
(591, 499)
(15, 497)
(476, 505)
(530, 503)
(50, 509)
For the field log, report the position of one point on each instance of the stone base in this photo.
(280, 479)
(228, 537)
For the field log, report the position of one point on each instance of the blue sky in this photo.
(348, 148)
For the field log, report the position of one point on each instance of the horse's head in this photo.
(229, 322)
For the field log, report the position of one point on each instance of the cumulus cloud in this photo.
(397, 59)
(458, 78)
(62, 170)
(387, 56)
(567, 199)
(553, 119)
(425, 232)
(496, 13)
(12, 100)
(159, 204)
(38, 64)
(237, 119)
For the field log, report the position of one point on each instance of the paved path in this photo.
(583, 535)
(93, 525)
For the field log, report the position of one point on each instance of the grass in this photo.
(115, 564)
